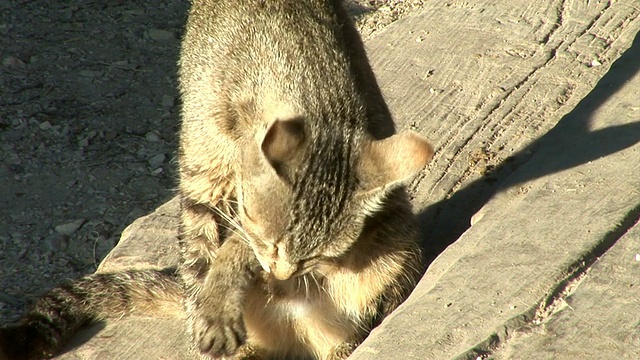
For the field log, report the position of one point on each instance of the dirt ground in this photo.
(89, 115)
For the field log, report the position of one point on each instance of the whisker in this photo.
(306, 287)
(233, 225)
(235, 232)
(319, 286)
(234, 215)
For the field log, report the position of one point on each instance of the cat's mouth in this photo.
(284, 270)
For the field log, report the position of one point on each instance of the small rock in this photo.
(110, 135)
(11, 135)
(136, 129)
(62, 262)
(16, 236)
(89, 73)
(152, 136)
(12, 61)
(157, 160)
(56, 242)
(168, 101)
(161, 35)
(45, 126)
(32, 121)
(594, 63)
(111, 218)
(70, 227)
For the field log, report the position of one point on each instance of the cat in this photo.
(297, 236)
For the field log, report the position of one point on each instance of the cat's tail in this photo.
(57, 315)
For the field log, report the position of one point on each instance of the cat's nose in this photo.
(283, 270)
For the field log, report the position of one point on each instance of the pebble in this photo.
(45, 126)
(16, 236)
(157, 160)
(12, 135)
(161, 35)
(12, 61)
(70, 227)
(56, 242)
(168, 101)
(110, 135)
(152, 136)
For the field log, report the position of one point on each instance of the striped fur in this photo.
(297, 236)
(57, 315)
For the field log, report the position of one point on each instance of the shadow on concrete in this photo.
(357, 10)
(444, 222)
(83, 335)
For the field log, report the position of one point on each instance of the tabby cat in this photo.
(297, 236)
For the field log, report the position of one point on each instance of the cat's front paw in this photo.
(219, 336)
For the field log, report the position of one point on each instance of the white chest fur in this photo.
(296, 317)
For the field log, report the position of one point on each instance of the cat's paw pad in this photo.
(219, 336)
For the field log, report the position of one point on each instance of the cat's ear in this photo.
(283, 142)
(384, 163)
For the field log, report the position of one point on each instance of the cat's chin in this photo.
(302, 285)
(297, 277)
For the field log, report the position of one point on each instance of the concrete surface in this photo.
(596, 316)
(537, 133)
(541, 232)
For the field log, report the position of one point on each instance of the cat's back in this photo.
(249, 23)
(261, 42)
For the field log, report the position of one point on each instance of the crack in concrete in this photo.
(556, 300)
(554, 304)
(579, 269)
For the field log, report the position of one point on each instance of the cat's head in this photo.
(304, 197)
